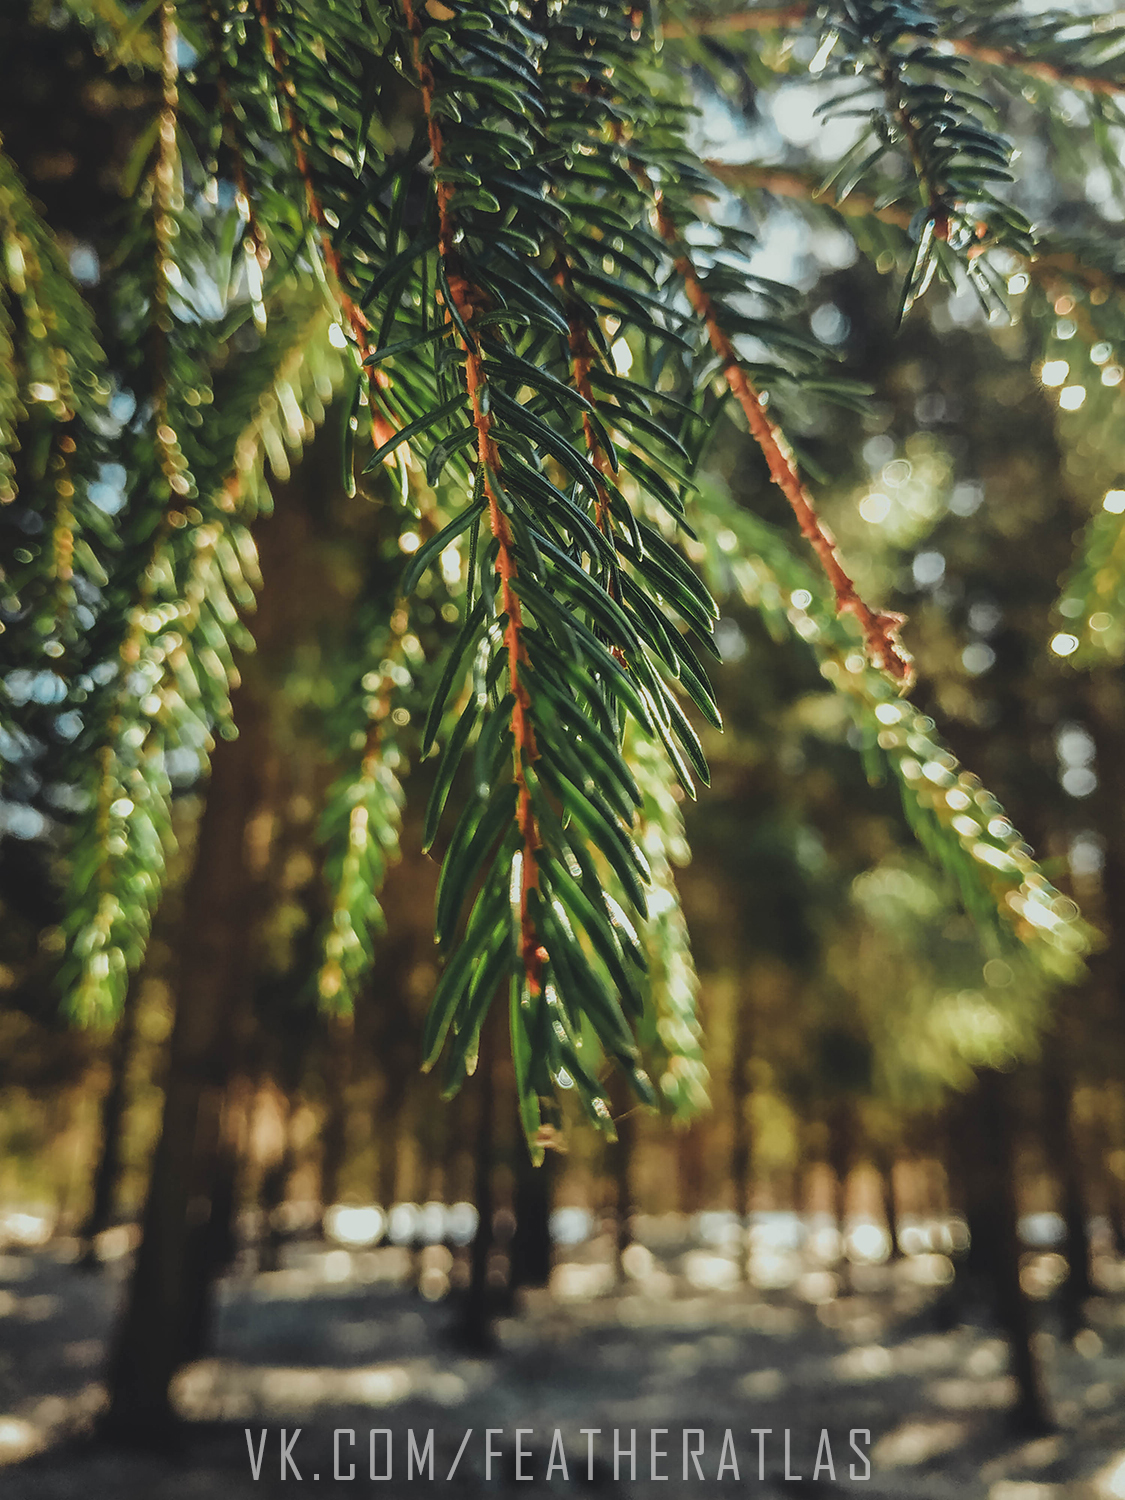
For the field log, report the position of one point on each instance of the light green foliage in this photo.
(670, 1033)
(959, 822)
(169, 690)
(52, 418)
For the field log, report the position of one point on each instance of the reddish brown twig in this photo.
(581, 363)
(776, 19)
(784, 17)
(880, 627)
(1008, 57)
(1047, 270)
(467, 300)
(784, 182)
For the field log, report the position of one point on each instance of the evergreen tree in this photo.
(481, 237)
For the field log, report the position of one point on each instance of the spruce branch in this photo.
(670, 1033)
(52, 402)
(465, 299)
(919, 104)
(256, 243)
(807, 186)
(382, 432)
(363, 819)
(880, 627)
(960, 824)
(167, 201)
(1058, 73)
(174, 663)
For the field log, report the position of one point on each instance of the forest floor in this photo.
(334, 1340)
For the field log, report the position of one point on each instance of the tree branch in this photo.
(880, 627)
(792, 16)
(381, 430)
(786, 182)
(466, 299)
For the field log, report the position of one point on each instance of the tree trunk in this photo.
(1062, 1153)
(213, 1242)
(388, 1126)
(742, 1145)
(690, 1164)
(153, 1336)
(841, 1155)
(1114, 1190)
(531, 1243)
(334, 1140)
(271, 1195)
(986, 1163)
(113, 1110)
(621, 1154)
(891, 1205)
(475, 1325)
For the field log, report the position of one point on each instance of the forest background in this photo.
(891, 1015)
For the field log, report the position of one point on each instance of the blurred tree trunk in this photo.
(621, 1154)
(1109, 1156)
(334, 1139)
(219, 1145)
(690, 1162)
(453, 1143)
(271, 1193)
(1062, 1153)
(742, 1144)
(182, 1221)
(213, 1240)
(112, 1123)
(387, 1170)
(531, 1242)
(389, 1108)
(474, 1328)
(891, 1208)
(1115, 1211)
(985, 1161)
(153, 1335)
(841, 1157)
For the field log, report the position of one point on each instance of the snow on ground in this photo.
(334, 1340)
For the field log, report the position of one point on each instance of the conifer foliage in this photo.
(479, 232)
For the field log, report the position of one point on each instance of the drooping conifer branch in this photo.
(381, 430)
(256, 240)
(166, 201)
(347, 932)
(590, 625)
(49, 390)
(89, 995)
(880, 627)
(466, 299)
